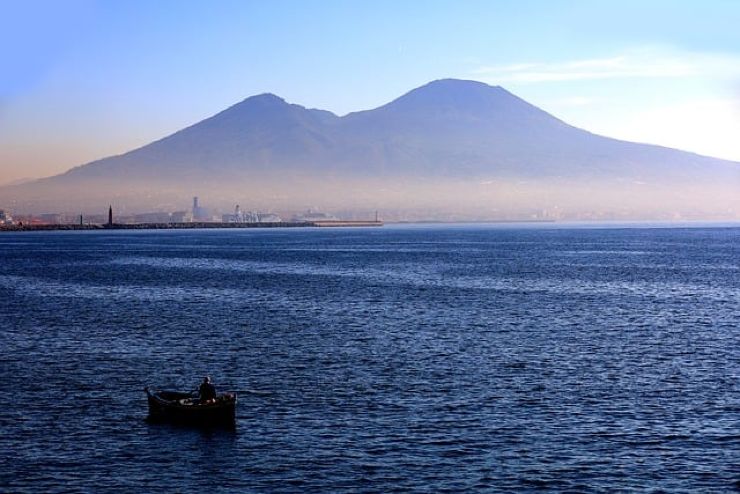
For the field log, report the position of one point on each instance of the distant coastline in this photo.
(424, 222)
(188, 226)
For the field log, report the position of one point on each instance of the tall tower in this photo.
(110, 215)
(196, 209)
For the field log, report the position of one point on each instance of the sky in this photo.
(84, 79)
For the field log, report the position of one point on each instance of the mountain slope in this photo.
(261, 132)
(446, 131)
(466, 128)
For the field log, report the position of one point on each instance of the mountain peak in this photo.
(458, 102)
(265, 98)
(456, 85)
(261, 106)
(262, 100)
(463, 95)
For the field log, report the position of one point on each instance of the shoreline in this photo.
(188, 226)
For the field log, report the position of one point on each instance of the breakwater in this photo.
(193, 225)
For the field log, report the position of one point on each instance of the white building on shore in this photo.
(312, 215)
(239, 216)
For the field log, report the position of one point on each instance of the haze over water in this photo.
(411, 359)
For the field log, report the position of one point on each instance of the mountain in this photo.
(438, 143)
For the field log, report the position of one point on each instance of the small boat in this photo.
(183, 408)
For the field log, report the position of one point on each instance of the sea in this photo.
(408, 358)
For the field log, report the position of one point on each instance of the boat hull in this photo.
(179, 408)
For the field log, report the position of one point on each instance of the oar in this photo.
(255, 392)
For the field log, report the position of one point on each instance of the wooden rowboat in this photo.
(182, 408)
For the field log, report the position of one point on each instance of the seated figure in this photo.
(207, 391)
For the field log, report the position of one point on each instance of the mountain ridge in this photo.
(446, 130)
(458, 107)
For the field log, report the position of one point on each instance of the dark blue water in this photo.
(396, 359)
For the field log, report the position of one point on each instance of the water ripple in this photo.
(407, 360)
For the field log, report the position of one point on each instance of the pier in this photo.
(190, 226)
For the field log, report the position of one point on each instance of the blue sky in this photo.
(85, 79)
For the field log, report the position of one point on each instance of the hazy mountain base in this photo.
(397, 199)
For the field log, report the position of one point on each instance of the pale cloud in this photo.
(699, 110)
(573, 101)
(650, 63)
(705, 126)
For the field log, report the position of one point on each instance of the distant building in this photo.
(239, 216)
(199, 213)
(235, 217)
(269, 218)
(181, 217)
(5, 218)
(311, 215)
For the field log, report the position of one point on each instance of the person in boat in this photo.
(207, 391)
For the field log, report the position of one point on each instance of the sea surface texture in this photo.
(396, 359)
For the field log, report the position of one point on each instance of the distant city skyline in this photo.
(86, 79)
